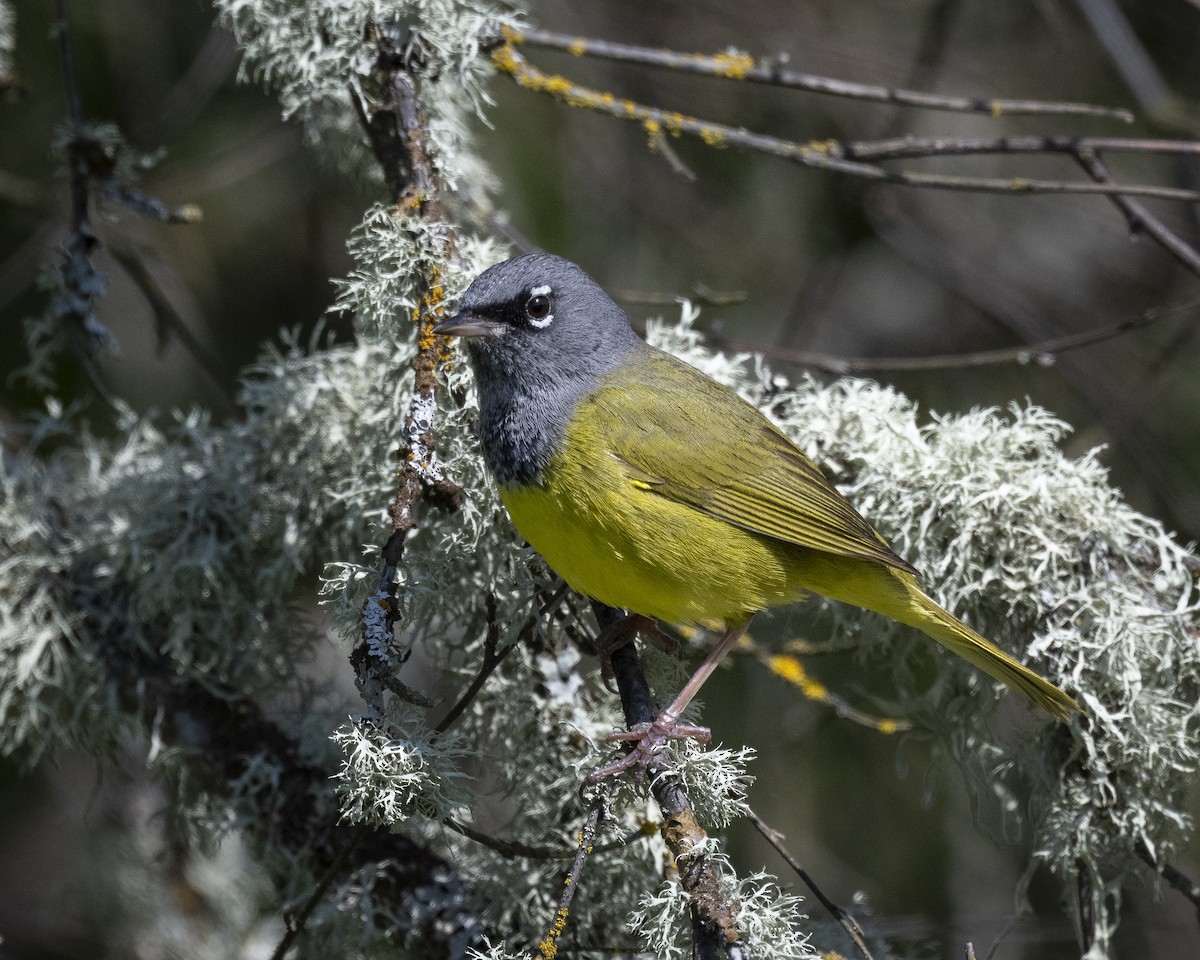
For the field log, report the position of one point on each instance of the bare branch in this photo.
(787, 666)
(848, 923)
(1141, 219)
(826, 155)
(1041, 353)
(1114, 31)
(170, 322)
(740, 66)
(1175, 877)
(908, 147)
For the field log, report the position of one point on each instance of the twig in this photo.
(548, 945)
(493, 656)
(788, 668)
(295, 923)
(715, 917)
(740, 66)
(1042, 353)
(82, 283)
(819, 155)
(660, 145)
(1175, 877)
(1140, 218)
(397, 136)
(169, 321)
(1135, 65)
(909, 147)
(1087, 918)
(699, 293)
(514, 849)
(848, 923)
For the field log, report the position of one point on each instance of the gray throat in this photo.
(520, 432)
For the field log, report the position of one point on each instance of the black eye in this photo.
(538, 307)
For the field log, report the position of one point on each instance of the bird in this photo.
(651, 488)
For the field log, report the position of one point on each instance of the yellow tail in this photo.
(956, 636)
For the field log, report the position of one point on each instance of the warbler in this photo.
(650, 487)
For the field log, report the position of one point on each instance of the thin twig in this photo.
(79, 197)
(740, 66)
(514, 849)
(493, 656)
(82, 283)
(909, 147)
(1115, 33)
(700, 294)
(1042, 353)
(1140, 218)
(1175, 877)
(295, 923)
(1087, 918)
(787, 666)
(169, 321)
(548, 945)
(819, 155)
(848, 923)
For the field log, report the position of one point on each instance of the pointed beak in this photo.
(466, 325)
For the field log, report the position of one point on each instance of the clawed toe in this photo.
(648, 740)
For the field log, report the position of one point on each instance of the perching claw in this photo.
(652, 737)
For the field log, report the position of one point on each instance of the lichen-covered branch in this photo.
(734, 65)
(823, 155)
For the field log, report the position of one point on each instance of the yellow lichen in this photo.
(791, 670)
(548, 947)
(827, 147)
(733, 65)
(578, 47)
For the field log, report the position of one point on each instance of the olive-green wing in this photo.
(683, 436)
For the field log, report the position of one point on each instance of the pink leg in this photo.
(650, 737)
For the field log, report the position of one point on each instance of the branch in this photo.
(848, 923)
(398, 139)
(1114, 31)
(82, 283)
(824, 155)
(493, 656)
(1042, 353)
(169, 321)
(715, 917)
(787, 666)
(1141, 219)
(740, 66)
(548, 945)
(1175, 877)
(909, 147)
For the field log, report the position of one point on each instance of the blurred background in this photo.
(800, 259)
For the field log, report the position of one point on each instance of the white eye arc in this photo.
(539, 308)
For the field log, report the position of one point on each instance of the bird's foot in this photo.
(649, 739)
(620, 633)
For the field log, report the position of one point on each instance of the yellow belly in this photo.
(627, 547)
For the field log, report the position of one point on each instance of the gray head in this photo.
(539, 332)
